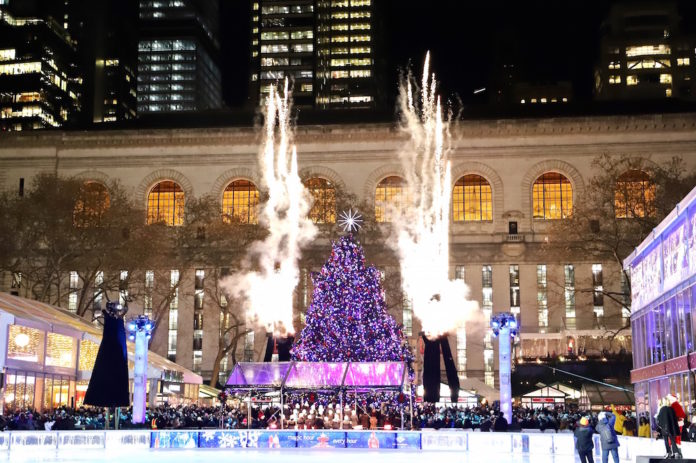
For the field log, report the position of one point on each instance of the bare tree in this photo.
(621, 205)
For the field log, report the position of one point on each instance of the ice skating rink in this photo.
(279, 456)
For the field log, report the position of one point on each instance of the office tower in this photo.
(644, 54)
(177, 56)
(325, 47)
(39, 84)
(106, 36)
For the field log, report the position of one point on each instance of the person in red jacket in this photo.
(679, 411)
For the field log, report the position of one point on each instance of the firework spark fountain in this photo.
(267, 291)
(422, 231)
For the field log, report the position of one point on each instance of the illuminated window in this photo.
(614, 79)
(165, 204)
(649, 63)
(634, 195)
(240, 201)
(553, 196)
(60, 351)
(643, 50)
(665, 78)
(7, 54)
(598, 294)
(25, 344)
(680, 61)
(632, 80)
(569, 296)
(88, 355)
(614, 65)
(472, 200)
(91, 205)
(324, 206)
(20, 68)
(390, 199)
(542, 299)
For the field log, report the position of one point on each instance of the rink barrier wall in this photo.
(532, 443)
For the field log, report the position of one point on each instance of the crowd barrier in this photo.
(532, 443)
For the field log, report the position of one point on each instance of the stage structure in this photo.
(504, 327)
(140, 331)
(334, 377)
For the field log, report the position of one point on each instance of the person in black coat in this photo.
(669, 428)
(583, 440)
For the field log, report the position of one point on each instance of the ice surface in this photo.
(274, 456)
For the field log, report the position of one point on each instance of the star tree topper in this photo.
(350, 221)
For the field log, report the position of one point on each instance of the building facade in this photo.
(326, 48)
(512, 179)
(663, 277)
(178, 56)
(645, 55)
(39, 86)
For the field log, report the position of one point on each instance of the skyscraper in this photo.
(106, 36)
(177, 56)
(39, 85)
(325, 47)
(645, 55)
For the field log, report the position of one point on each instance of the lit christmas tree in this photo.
(348, 320)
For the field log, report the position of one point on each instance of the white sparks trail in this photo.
(422, 228)
(267, 291)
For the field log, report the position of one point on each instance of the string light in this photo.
(348, 320)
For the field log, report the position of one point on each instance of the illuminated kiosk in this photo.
(504, 327)
(663, 302)
(338, 378)
(47, 355)
(140, 331)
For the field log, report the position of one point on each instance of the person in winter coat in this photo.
(644, 427)
(607, 436)
(692, 430)
(620, 418)
(669, 427)
(679, 412)
(583, 440)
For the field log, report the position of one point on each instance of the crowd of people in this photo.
(302, 415)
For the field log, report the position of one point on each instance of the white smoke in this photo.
(422, 227)
(267, 291)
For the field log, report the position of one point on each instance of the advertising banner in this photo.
(225, 439)
(675, 262)
(174, 440)
(370, 440)
(324, 439)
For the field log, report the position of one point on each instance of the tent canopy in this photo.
(595, 395)
(317, 375)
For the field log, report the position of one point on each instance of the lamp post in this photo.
(140, 331)
(504, 327)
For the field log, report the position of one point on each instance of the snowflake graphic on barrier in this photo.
(253, 440)
(229, 440)
(209, 435)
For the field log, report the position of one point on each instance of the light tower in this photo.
(140, 331)
(504, 327)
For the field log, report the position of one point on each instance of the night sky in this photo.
(469, 41)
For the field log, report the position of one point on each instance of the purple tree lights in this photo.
(347, 320)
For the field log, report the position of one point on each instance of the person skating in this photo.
(669, 427)
(583, 440)
(607, 436)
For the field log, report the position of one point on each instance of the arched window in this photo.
(324, 206)
(390, 198)
(472, 199)
(634, 195)
(165, 203)
(240, 202)
(91, 205)
(553, 196)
